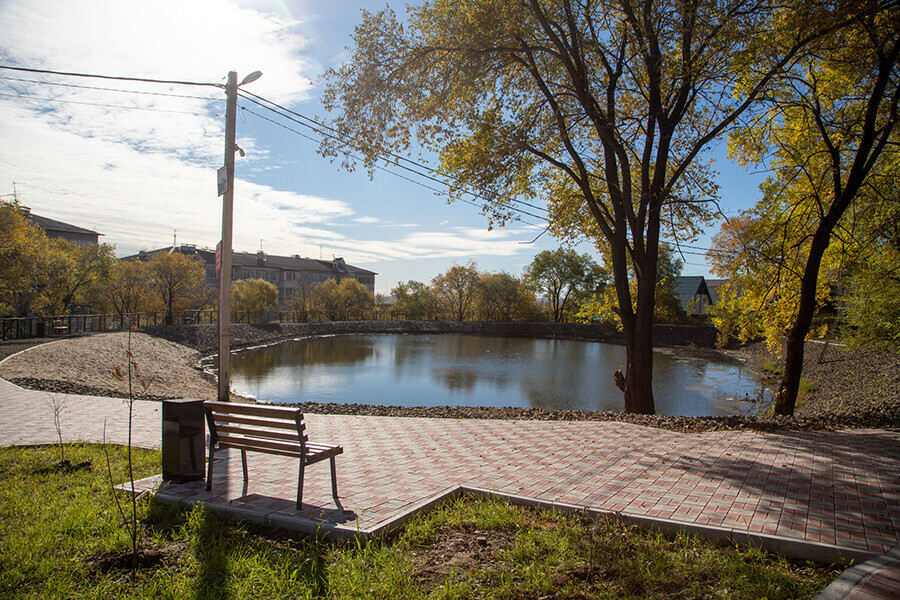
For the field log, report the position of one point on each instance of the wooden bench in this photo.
(60, 327)
(269, 429)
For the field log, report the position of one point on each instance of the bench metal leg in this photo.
(244, 464)
(209, 468)
(334, 483)
(300, 485)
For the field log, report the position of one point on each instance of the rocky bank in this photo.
(847, 388)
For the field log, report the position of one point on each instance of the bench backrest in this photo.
(271, 429)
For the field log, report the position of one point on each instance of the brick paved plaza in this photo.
(833, 493)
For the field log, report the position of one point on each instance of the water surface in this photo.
(466, 370)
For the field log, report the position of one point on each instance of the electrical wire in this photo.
(163, 110)
(393, 161)
(319, 127)
(112, 77)
(104, 89)
(316, 126)
(379, 167)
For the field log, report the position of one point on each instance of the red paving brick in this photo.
(832, 487)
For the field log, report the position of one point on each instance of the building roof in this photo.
(688, 287)
(713, 285)
(48, 224)
(262, 260)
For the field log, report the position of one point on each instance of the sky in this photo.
(141, 168)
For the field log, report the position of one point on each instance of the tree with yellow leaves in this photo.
(603, 109)
(254, 296)
(830, 134)
(175, 277)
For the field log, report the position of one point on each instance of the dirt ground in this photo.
(87, 364)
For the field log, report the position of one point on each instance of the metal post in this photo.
(225, 272)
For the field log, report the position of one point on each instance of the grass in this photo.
(62, 537)
(771, 368)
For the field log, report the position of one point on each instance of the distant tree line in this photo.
(558, 285)
(50, 277)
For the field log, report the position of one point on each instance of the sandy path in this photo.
(168, 368)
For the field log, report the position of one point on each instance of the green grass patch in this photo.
(61, 536)
(804, 390)
(771, 368)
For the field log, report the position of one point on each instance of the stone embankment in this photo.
(848, 388)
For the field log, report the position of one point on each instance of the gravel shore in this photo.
(849, 388)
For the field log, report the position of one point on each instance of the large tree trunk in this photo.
(786, 398)
(862, 161)
(637, 326)
(639, 368)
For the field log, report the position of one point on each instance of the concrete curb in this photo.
(852, 582)
(783, 546)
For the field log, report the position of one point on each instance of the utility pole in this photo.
(224, 370)
(225, 248)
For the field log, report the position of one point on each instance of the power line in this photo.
(318, 127)
(39, 99)
(680, 247)
(112, 77)
(379, 167)
(105, 89)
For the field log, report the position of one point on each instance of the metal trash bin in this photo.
(183, 440)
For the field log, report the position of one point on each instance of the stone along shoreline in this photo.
(851, 389)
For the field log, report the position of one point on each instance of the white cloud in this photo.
(200, 40)
(138, 175)
(138, 198)
(464, 243)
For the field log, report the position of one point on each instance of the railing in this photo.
(32, 327)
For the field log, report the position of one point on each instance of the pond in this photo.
(468, 370)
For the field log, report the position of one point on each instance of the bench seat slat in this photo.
(259, 433)
(238, 445)
(311, 447)
(255, 410)
(265, 445)
(268, 423)
(258, 444)
(325, 452)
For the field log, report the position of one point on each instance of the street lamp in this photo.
(224, 250)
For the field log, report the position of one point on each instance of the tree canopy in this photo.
(176, 278)
(413, 300)
(23, 258)
(828, 130)
(341, 301)
(456, 290)
(563, 275)
(49, 276)
(255, 296)
(603, 109)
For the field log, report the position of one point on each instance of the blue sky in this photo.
(144, 174)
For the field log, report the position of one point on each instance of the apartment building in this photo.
(287, 273)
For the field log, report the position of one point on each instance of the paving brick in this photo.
(838, 487)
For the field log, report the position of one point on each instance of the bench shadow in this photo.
(212, 558)
(288, 508)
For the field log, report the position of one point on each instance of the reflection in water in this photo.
(465, 370)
